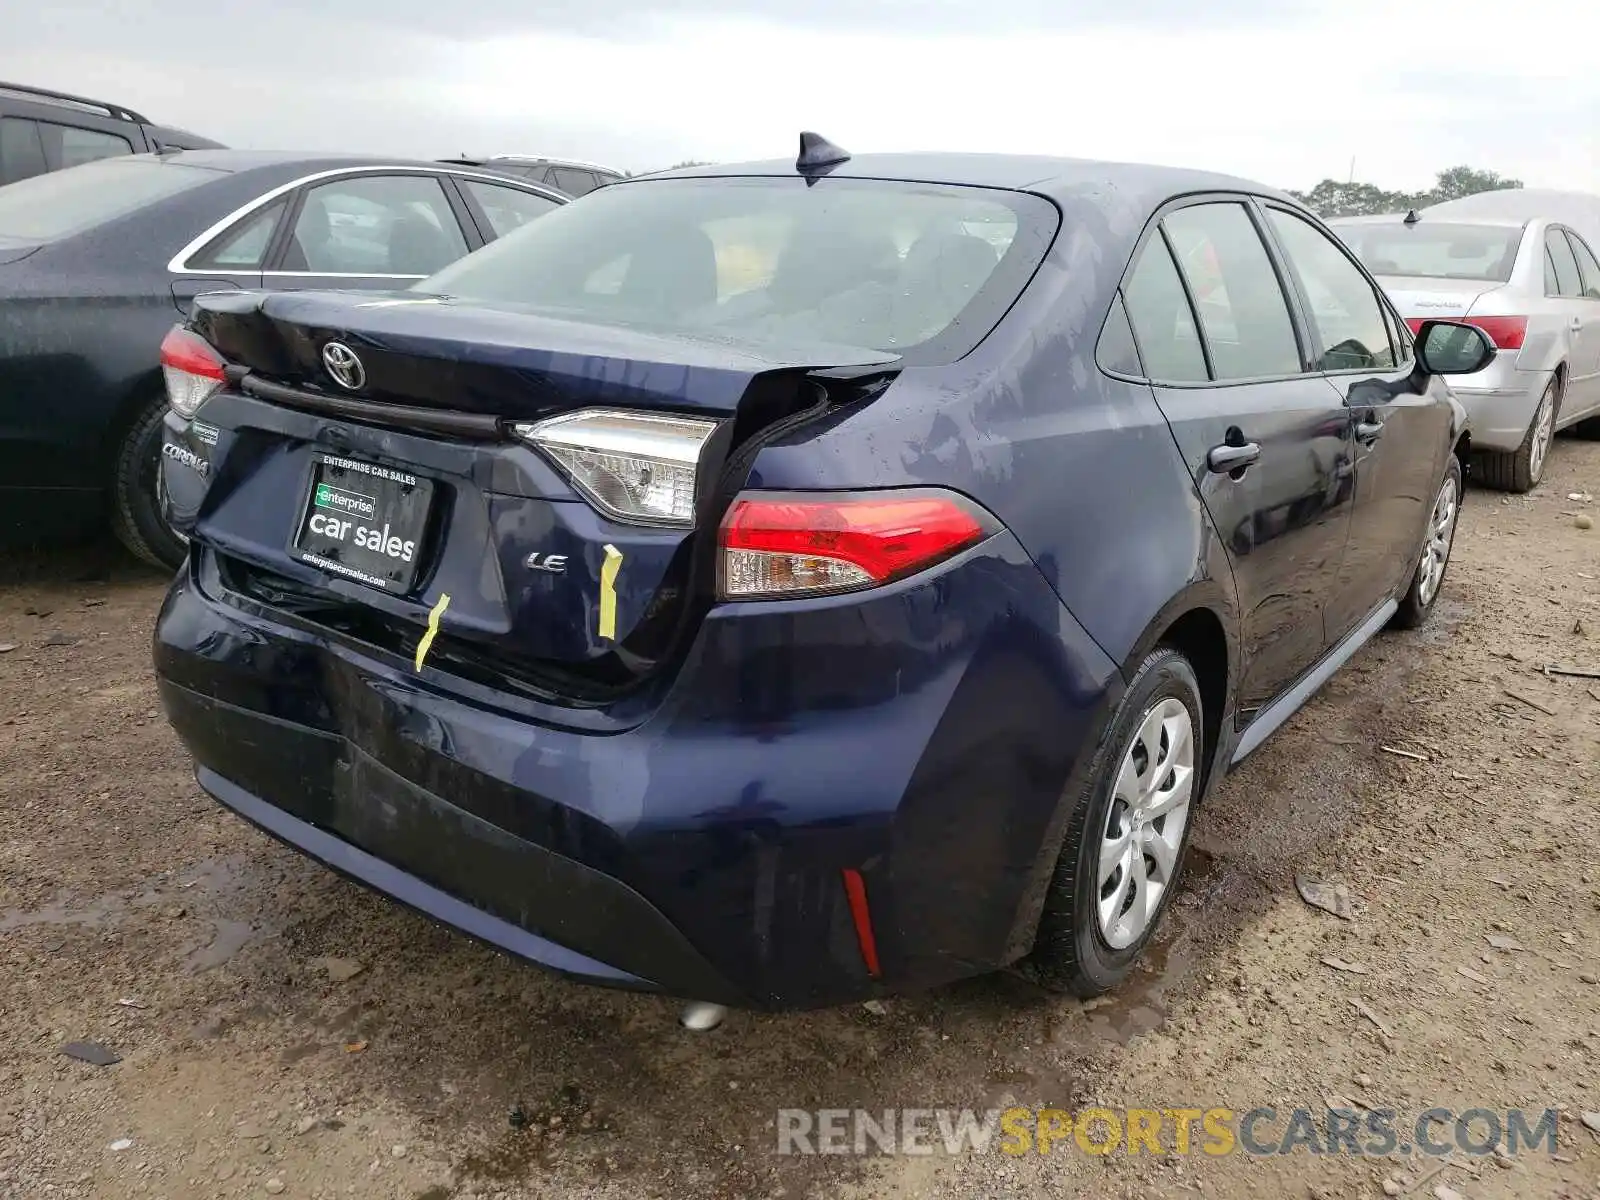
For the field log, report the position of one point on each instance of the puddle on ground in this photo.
(230, 937)
(198, 886)
(1215, 891)
(211, 879)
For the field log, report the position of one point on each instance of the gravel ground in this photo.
(282, 1032)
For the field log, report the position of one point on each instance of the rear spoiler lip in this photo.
(472, 426)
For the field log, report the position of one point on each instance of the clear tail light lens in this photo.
(814, 544)
(636, 467)
(193, 371)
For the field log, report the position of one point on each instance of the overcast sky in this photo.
(1284, 91)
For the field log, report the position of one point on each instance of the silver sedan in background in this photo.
(1533, 285)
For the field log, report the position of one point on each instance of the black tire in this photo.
(1514, 470)
(135, 506)
(1414, 606)
(1070, 952)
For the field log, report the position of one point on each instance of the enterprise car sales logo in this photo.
(339, 500)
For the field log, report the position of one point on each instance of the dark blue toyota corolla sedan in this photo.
(781, 584)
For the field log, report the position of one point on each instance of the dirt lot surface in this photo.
(282, 1032)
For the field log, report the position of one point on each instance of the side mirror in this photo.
(1453, 348)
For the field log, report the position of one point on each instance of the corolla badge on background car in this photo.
(732, 585)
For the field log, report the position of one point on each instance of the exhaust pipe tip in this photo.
(701, 1016)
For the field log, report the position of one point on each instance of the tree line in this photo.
(1331, 198)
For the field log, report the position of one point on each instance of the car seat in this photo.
(672, 272)
(948, 269)
(417, 246)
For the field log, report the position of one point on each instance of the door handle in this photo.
(1368, 432)
(1225, 458)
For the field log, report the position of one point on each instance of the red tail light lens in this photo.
(1505, 332)
(814, 543)
(193, 370)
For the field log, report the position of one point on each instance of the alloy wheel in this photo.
(1544, 425)
(1436, 545)
(1145, 823)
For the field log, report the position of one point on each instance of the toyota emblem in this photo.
(344, 366)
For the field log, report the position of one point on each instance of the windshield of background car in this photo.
(1480, 252)
(922, 271)
(47, 207)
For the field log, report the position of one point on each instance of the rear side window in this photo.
(1116, 351)
(1243, 313)
(21, 151)
(1588, 268)
(1350, 329)
(507, 208)
(62, 203)
(245, 245)
(573, 181)
(1484, 253)
(71, 146)
(1169, 341)
(918, 270)
(1568, 282)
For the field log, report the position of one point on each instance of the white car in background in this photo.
(1531, 284)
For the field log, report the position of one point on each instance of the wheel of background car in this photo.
(1123, 855)
(135, 499)
(1434, 559)
(1520, 470)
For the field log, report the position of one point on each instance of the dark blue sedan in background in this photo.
(782, 584)
(97, 262)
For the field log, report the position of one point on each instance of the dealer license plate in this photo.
(364, 522)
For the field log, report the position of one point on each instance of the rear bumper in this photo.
(922, 735)
(352, 814)
(1500, 415)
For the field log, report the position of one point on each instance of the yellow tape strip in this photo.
(434, 614)
(608, 592)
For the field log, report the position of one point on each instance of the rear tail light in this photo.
(1505, 332)
(810, 544)
(637, 467)
(192, 368)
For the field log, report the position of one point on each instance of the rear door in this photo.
(1398, 437)
(1583, 379)
(370, 230)
(1266, 438)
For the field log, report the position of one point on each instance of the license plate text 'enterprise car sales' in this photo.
(364, 522)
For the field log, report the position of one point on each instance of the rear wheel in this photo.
(1437, 540)
(135, 500)
(1520, 470)
(1124, 850)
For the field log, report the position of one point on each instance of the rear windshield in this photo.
(57, 205)
(917, 270)
(1481, 252)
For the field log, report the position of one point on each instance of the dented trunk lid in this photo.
(542, 586)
